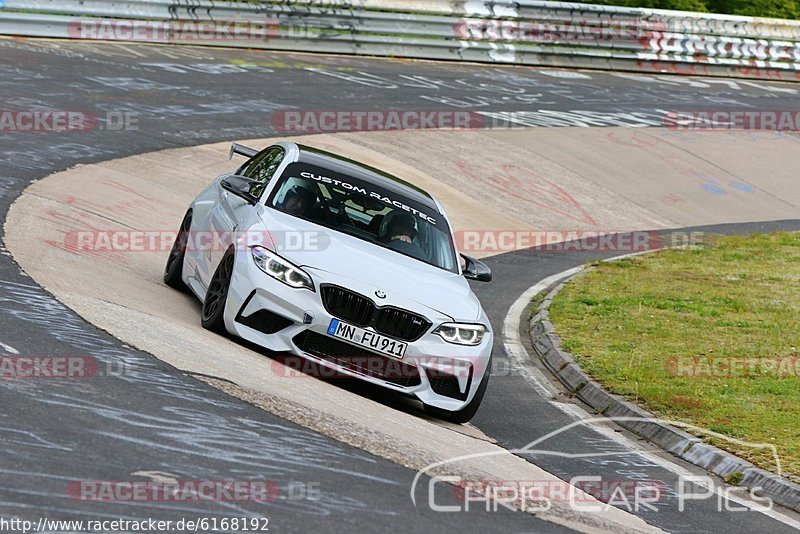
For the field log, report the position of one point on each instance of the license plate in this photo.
(367, 339)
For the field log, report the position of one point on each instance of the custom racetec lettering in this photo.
(334, 181)
(348, 183)
(398, 204)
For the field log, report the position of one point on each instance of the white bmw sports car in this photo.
(308, 253)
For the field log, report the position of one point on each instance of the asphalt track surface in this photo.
(154, 419)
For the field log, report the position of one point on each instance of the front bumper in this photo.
(280, 318)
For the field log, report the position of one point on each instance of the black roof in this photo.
(349, 167)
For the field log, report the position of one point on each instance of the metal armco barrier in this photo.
(524, 32)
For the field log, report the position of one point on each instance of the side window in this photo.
(262, 168)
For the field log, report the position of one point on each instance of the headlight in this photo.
(281, 269)
(461, 334)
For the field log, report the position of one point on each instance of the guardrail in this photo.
(523, 32)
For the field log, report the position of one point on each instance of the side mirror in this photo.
(240, 186)
(476, 270)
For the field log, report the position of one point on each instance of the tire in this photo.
(173, 272)
(213, 315)
(465, 414)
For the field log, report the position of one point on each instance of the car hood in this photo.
(365, 267)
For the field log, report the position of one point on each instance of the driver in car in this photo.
(299, 201)
(400, 231)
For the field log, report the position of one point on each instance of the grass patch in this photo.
(536, 301)
(707, 335)
(734, 478)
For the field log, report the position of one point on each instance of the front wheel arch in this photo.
(173, 271)
(216, 299)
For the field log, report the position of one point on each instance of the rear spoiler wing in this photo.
(242, 150)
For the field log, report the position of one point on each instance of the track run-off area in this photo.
(188, 405)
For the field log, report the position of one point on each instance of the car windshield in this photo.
(366, 211)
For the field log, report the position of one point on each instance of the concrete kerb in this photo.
(547, 345)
